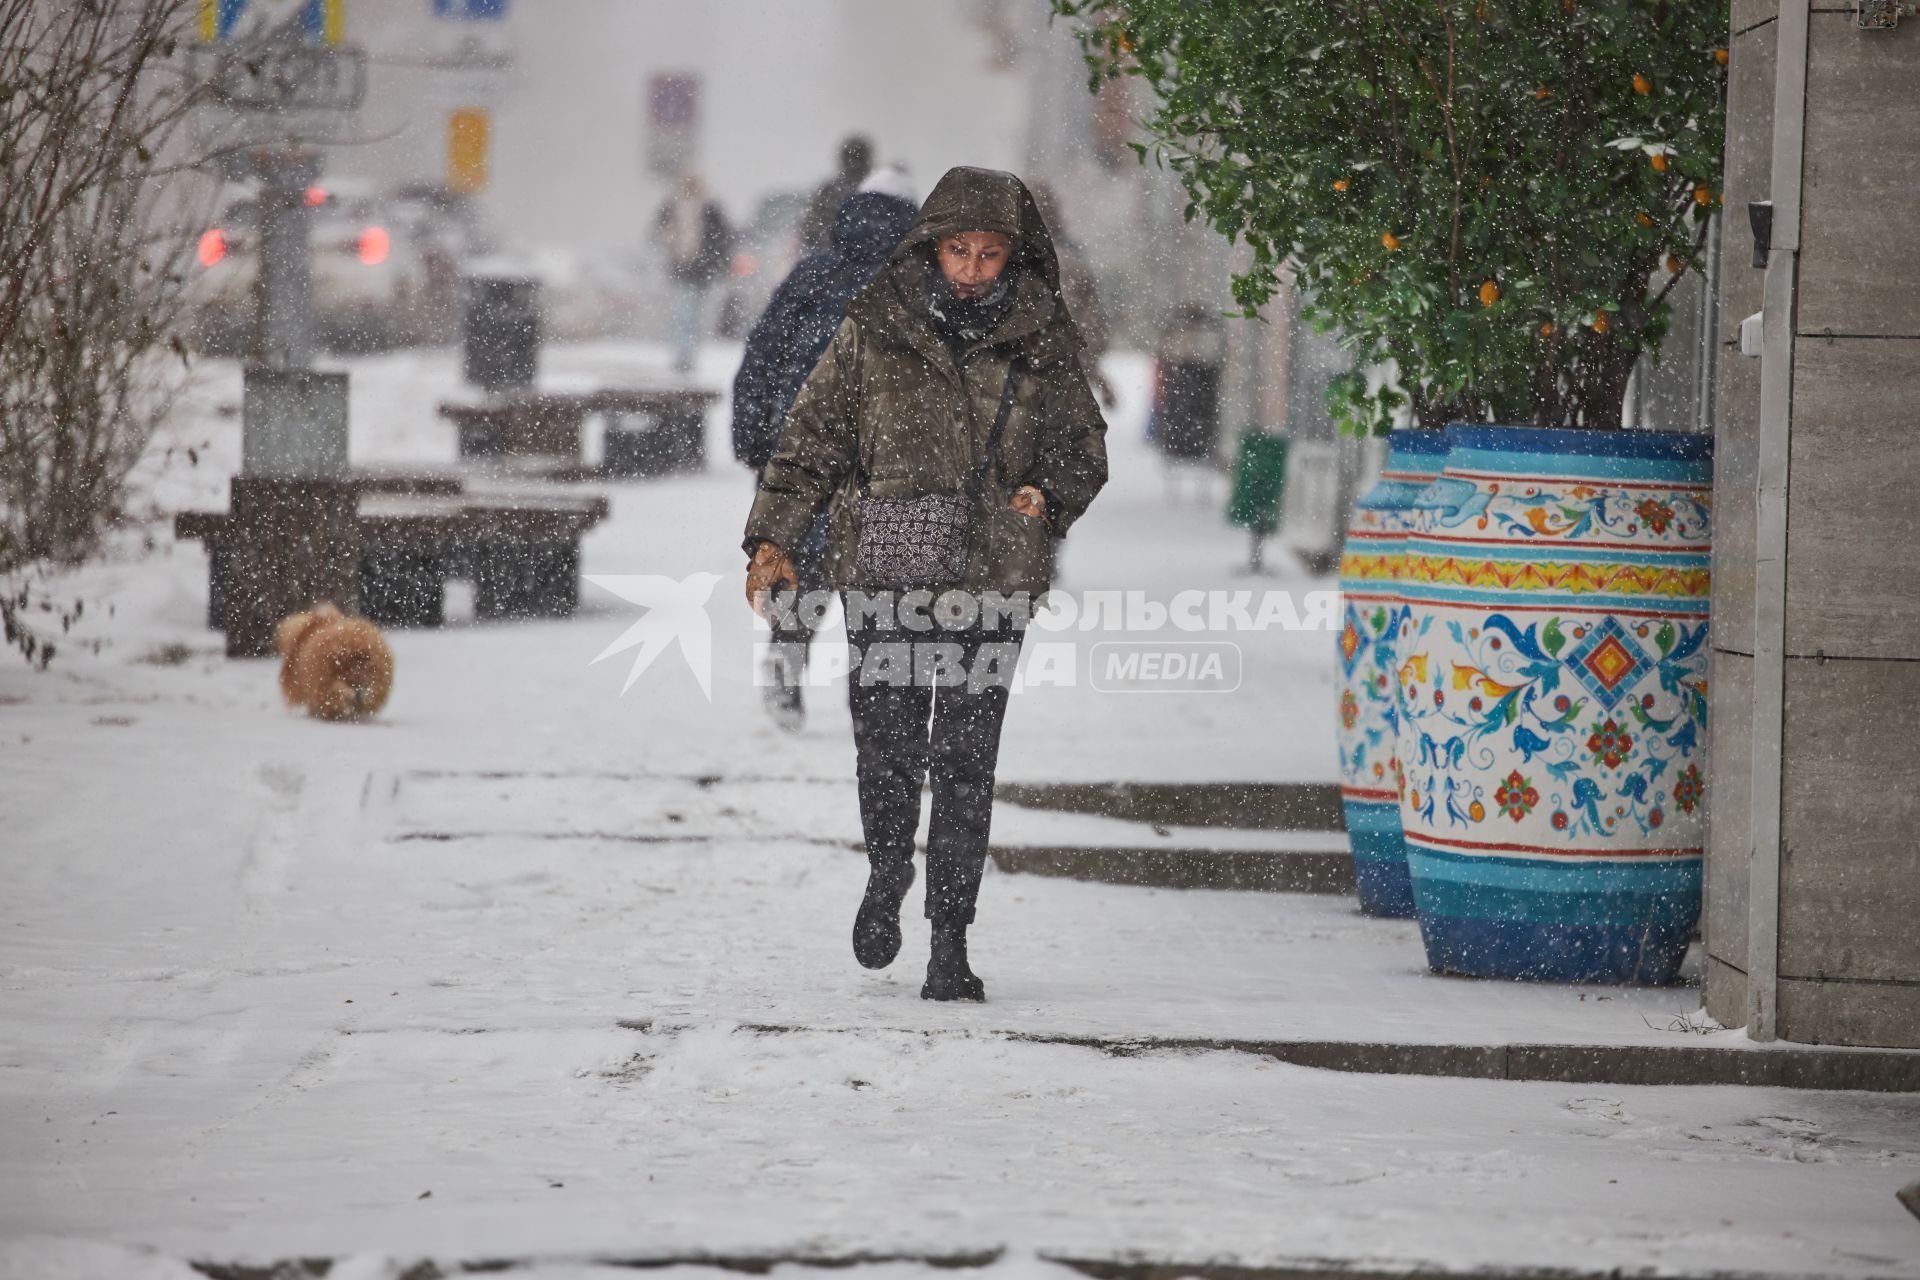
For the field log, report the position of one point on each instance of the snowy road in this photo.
(271, 989)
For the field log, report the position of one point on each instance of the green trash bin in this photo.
(1259, 488)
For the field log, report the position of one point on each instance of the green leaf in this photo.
(1264, 104)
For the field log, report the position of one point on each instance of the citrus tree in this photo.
(1480, 190)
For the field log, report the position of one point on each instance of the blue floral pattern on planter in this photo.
(1551, 673)
(1369, 723)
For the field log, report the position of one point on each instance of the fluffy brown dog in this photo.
(337, 667)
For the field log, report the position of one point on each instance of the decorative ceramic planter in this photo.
(1552, 664)
(1369, 726)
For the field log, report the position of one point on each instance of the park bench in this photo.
(387, 543)
(649, 431)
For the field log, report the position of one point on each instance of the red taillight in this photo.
(316, 196)
(373, 246)
(213, 246)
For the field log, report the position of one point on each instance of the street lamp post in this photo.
(279, 81)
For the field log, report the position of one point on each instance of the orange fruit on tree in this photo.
(1645, 221)
(1720, 56)
(1642, 85)
(1489, 293)
(1702, 196)
(1542, 94)
(1600, 322)
(1546, 329)
(1390, 240)
(1674, 265)
(1339, 184)
(1659, 161)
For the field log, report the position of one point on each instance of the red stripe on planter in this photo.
(1470, 846)
(1692, 548)
(1562, 482)
(1578, 605)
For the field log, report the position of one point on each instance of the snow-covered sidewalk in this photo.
(496, 976)
(274, 1048)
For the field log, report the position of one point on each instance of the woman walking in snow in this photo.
(946, 430)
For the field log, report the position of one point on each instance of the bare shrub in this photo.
(93, 100)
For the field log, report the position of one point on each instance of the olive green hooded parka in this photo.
(889, 393)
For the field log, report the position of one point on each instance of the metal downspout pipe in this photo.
(1779, 311)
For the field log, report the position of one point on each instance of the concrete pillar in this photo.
(1815, 687)
(290, 544)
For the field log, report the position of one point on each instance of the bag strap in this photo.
(1015, 370)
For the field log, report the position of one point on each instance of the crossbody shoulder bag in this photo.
(922, 541)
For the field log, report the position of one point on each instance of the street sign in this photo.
(217, 19)
(276, 73)
(320, 22)
(325, 21)
(673, 114)
(470, 10)
(277, 78)
(468, 130)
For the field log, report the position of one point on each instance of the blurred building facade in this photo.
(775, 85)
(761, 93)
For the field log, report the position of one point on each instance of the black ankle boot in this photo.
(948, 975)
(876, 930)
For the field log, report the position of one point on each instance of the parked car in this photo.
(371, 283)
(221, 295)
(386, 271)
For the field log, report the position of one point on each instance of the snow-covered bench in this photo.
(649, 431)
(391, 542)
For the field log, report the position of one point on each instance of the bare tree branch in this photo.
(92, 273)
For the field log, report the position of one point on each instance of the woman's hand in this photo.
(1028, 500)
(768, 567)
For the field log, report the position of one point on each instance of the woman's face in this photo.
(972, 260)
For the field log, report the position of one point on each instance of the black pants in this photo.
(930, 725)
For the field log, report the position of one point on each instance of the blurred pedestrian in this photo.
(949, 423)
(856, 162)
(1081, 294)
(781, 351)
(693, 232)
(1079, 290)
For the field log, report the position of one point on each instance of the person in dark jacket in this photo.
(694, 234)
(856, 162)
(956, 373)
(781, 351)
